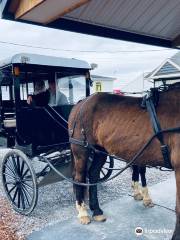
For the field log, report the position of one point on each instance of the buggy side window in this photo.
(5, 92)
(25, 90)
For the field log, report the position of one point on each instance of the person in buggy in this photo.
(41, 95)
(57, 98)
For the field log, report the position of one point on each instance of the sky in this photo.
(126, 67)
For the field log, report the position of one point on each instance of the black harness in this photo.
(150, 102)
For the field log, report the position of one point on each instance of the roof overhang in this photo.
(150, 22)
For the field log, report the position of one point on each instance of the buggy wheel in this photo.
(19, 181)
(105, 172)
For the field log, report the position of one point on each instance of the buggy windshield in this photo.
(72, 87)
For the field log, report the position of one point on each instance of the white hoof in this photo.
(138, 197)
(99, 218)
(137, 191)
(85, 220)
(147, 201)
(82, 213)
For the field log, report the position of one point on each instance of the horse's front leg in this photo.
(176, 235)
(94, 174)
(137, 194)
(79, 175)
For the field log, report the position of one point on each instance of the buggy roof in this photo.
(44, 60)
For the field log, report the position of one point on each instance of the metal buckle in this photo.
(86, 144)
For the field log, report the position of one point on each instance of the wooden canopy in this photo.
(155, 22)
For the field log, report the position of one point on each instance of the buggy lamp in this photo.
(16, 71)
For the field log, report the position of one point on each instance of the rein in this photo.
(91, 147)
(149, 101)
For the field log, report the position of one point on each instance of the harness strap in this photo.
(81, 143)
(154, 119)
(158, 131)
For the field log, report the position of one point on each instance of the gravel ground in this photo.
(56, 202)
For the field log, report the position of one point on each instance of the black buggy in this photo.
(31, 133)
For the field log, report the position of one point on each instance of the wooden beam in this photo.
(13, 6)
(67, 10)
(25, 6)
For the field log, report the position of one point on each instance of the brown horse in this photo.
(119, 126)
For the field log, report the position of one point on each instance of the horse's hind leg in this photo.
(94, 174)
(135, 183)
(147, 201)
(80, 157)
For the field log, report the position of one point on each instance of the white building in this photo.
(102, 84)
(168, 71)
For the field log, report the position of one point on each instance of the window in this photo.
(72, 87)
(98, 87)
(5, 92)
(25, 90)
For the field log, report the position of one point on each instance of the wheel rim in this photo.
(19, 183)
(105, 172)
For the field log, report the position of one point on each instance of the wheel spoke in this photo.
(25, 190)
(28, 178)
(9, 168)
(22, 198)
(24, 174)
(103, 172)
(9, 191)
(25, 194)
(15, 165)
(19, 202)
(22, 168)
(27, 185)
(18, 164)
(15, 194)
(7, 183)
(105, 168)
(9, 175)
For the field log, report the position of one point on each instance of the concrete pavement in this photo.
(123, 217)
